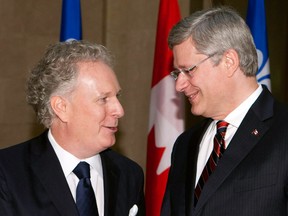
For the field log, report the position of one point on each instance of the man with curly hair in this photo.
(74, 92)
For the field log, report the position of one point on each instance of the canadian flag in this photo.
(166, 119)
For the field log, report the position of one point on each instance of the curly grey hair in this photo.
(56, 74)
(216, 30)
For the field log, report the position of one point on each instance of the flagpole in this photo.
(71, 23)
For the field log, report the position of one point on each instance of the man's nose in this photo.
(181, 83)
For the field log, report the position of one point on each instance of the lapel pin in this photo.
(255, 132)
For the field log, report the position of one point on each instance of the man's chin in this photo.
(195, 111)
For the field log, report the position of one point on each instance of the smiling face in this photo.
(93, 110)
(202, 87)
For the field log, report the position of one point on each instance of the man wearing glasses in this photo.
(235, 161)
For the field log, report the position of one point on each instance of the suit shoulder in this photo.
(17, 151)
(281, 108)
(14, 150)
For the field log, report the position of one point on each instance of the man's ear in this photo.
(60, 107)
(231, 61)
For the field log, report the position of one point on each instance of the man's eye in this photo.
(186, 71)
(189, 70)
(102, 100)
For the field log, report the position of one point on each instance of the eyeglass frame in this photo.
(186, 71)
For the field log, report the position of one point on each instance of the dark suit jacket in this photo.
(32, 182)
(251, 178)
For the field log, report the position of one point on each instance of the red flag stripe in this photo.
(169, 15)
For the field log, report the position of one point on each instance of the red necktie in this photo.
(218, 150)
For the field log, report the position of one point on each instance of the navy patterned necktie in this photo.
(85, 197)
(218, 150)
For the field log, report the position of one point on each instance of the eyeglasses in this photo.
(187, 71)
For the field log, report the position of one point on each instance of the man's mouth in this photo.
(192, 96)
(113, 129)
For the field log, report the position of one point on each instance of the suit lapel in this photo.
(111, 180)
(47, 168)
(251, 130)
(192, 164)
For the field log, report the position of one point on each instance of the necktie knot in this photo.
(82, 170)
(221, 128)
(85, 197)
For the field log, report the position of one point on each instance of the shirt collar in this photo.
(237, 115)
(69, 162)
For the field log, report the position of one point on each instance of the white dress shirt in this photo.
(69, 162)
(234, 119)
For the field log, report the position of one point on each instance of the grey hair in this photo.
(56, 74)
(214, 31)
